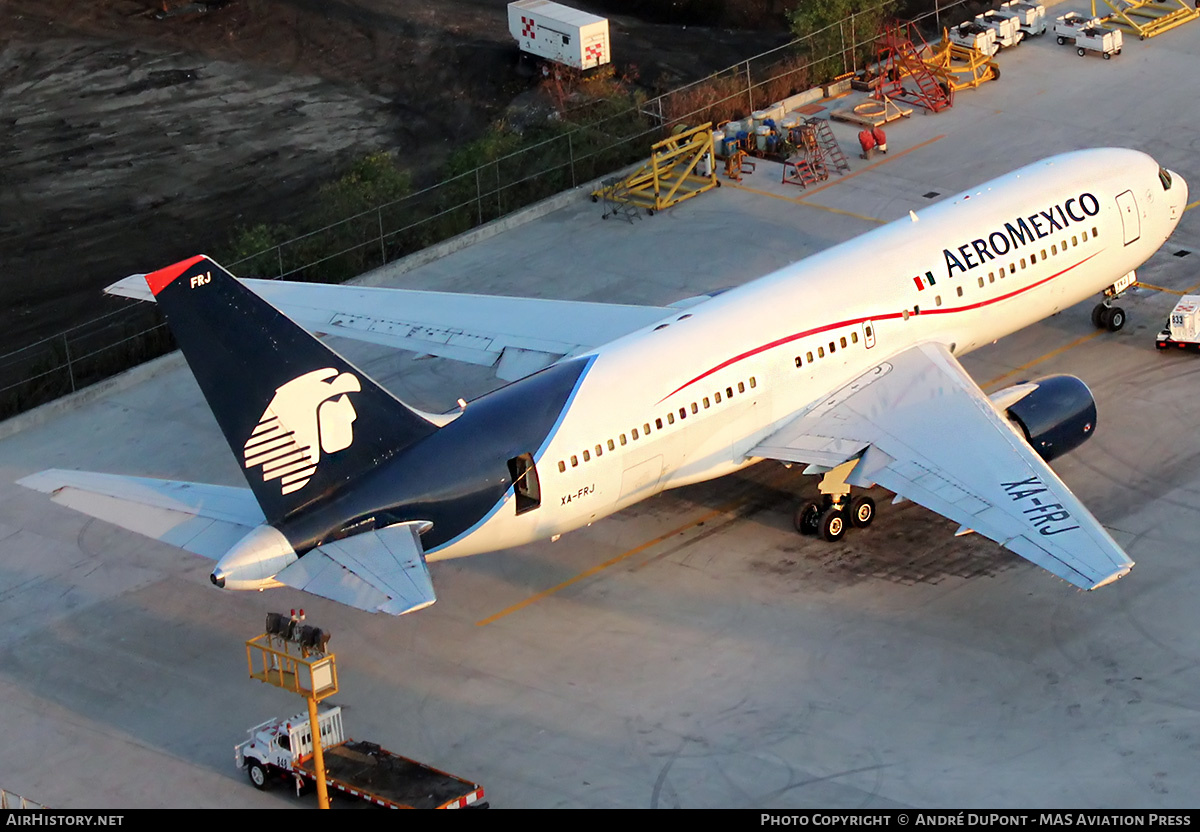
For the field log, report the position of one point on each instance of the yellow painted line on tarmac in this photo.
(849, 176)
(756, 191)
(1162, 288)
(613, 561)
(1081, 340)
(793, 201)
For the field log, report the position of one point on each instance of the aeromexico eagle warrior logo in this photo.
(309, 414)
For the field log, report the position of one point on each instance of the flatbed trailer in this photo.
(282, 749)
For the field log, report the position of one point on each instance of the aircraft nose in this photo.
(1178, 195)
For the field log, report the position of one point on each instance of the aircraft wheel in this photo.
(833, 524)
(1115, 319)
(1098, 315)
(862, 512)
(257, 773)
(808, 518)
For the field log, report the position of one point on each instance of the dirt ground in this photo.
(128, 142)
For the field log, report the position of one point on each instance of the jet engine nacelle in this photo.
(254, 561)
(1056, 416)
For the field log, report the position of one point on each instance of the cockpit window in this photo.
(1164, 176)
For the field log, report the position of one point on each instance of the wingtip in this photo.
(1116, 576)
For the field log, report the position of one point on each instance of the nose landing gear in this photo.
(1108, 316)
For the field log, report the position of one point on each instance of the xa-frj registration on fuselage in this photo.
(853, 372)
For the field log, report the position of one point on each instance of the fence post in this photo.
(382, 247)
(854, 42)
(749, 87)
(571, 156)
(478, 197)
(499, 213)
(70, 369)
(279, 255)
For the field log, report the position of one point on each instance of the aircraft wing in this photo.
(517, 336)
(377, 571)
(203, 519)
(922, 428)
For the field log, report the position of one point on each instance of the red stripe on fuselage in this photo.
(797, 336)
(159, 280)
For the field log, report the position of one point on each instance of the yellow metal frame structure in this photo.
(1160, 15)
(961, 67)
(312, 676)
(670, 176)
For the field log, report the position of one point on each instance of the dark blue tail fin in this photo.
(301, 420)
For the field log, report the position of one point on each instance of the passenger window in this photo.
(1001, 272)
(670, 418)
(981, 281)
(695, 408)
(634, 433)
(646, 428)
(1054, 249)
(562, 466)
(658, 423)
(808, 355)
(753, 383)
(960, 291)
(1032, 259)
(991, 277)
(729, 392)
(1022, 262)
(832, 347)
(706, 402)
(868, 332)
(586, 456)
(574, 461)
(741, 387)
(799, 363)
(843, 342)
(612, 446)
(937, 301)
(1095, 231)
(1074, 240)
(599, 450)
(1084, 236)
(821, 350)
(622, 438)
(683, 413)
(854, 335)
(717, 396)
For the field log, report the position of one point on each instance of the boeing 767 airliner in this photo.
(846, 362)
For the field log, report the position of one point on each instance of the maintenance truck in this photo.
(1183, 326)
(281, 749)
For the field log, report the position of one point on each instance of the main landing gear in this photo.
(830, 517)
(1106, 315)
(835, 512)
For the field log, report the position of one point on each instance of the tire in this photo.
(1098, 316)
(862, 512)
(833, 524)
(1081, 51)
(1061, 40)
(1116, 319)
(807, 519)
(259, 776)
(1106, 56)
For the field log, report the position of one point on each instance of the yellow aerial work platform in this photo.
(670, 176)
(1147, 18)
(960, 67)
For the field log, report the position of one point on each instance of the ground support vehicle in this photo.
(1183, 326)
(1031, 16)
(1096, 39)
(559, 33)
(1071, 24)
(1005, 24)
(282, 749)
(974, 35)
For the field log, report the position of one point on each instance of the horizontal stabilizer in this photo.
(378, 571)
(203, 519)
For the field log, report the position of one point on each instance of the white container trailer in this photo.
(1098, 39)
(1032, 16)
(1183, 326)
(974, 35)
(1005, 24)
(559, 33)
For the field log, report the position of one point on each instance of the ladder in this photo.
(831, 152)
(900, 59)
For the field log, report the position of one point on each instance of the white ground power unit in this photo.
(559, 33)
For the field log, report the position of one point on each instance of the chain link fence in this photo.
(596, 139)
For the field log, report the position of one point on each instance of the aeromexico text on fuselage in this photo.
(1019, 232)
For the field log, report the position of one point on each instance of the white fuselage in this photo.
(655, 411)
